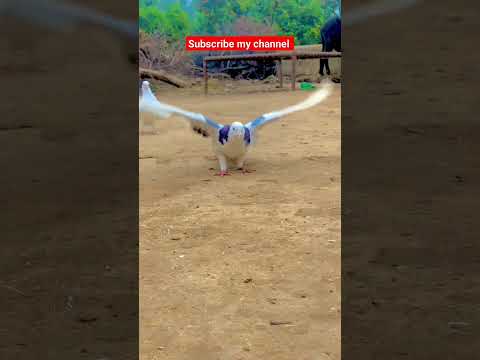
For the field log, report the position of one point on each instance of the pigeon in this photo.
(231, 142)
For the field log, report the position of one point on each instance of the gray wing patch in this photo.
(212, 123)
(257, 122)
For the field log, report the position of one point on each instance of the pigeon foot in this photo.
(223, 173)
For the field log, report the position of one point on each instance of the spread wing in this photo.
(148, 103)
(317, 97)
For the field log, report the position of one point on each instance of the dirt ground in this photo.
(223, 258)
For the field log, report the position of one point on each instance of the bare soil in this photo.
(246, 266)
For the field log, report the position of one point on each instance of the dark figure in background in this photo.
(331, 38)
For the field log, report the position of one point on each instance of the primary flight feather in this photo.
(230, 141)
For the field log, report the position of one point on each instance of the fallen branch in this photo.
(162, 76)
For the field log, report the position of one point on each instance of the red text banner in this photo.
(239, 43)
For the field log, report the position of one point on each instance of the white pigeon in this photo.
(230, 142)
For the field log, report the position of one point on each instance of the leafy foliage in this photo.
(178, 18)
(174, 23)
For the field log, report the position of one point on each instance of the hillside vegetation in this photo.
(174, 19)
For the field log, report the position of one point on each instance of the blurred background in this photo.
(165, 23)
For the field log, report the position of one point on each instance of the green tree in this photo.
(302, 19)
(174, 23)
(213, 15)
(177, 18)
(177, 23)
(150, 19)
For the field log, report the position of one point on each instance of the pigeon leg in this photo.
(240, 163)
(223, 166)
(241, 166)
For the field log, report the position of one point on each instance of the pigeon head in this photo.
(237, 130)
(145, 86)
(234, 131)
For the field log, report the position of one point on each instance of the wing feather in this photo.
(148, 103)
(314, 99)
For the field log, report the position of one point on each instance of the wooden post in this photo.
(280, 72)
(205, 76)
(294, 70)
